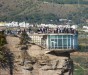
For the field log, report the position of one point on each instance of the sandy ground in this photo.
(13, 43)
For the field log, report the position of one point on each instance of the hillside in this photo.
(40, 10)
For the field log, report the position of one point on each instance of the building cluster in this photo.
(14, 24)
(26, 25)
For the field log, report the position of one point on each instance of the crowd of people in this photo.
(44, 30)
(55, 30)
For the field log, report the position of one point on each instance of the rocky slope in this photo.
(35, 61)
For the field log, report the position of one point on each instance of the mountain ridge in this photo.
(20, 9)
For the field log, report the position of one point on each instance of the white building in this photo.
(16, 24)
(85, 27)
(74, 26)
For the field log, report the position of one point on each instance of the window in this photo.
(61, 41)
(65, 43)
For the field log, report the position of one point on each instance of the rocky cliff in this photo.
(35, 61)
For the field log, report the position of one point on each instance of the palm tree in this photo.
(2, 48)
(6, 57)
(24, 41)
